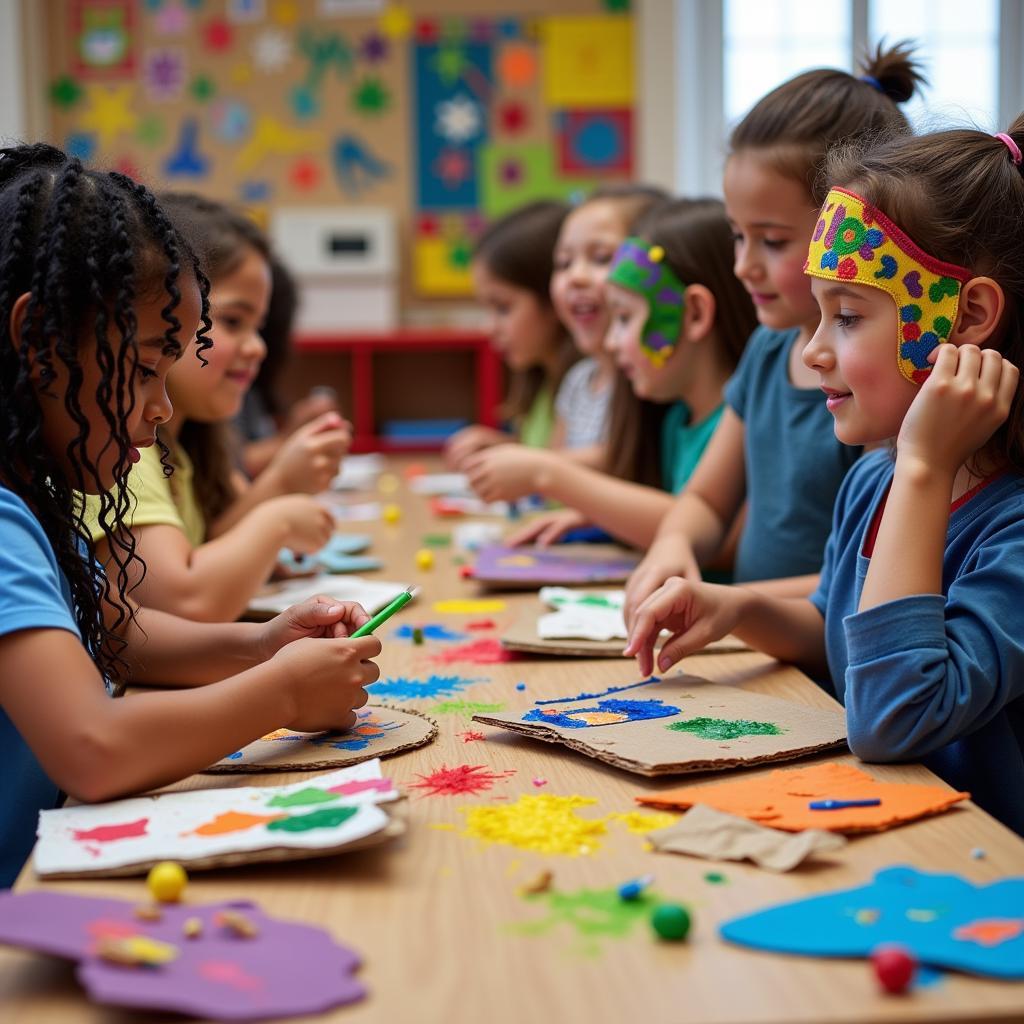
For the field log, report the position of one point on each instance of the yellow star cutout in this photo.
(271, 138)
(396, 23)
(108, 114)
(285, 12)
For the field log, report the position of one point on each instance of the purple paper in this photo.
(285, 970)
(551, 566)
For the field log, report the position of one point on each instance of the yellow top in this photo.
(158, 500)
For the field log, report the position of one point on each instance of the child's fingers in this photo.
(677, 647)
(553, 531)
(968, 365)
(525, 534)
(1007, 388)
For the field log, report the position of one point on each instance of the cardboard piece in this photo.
(276, 597)
(706, 832)
(218, 827)
(565, 564)
(380, 732)
(583, 624)
(944, 920)
(286, 969)
(781, 798)
(644, 730)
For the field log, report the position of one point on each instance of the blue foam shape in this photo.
(336, 556)
(827, 925)
(586, 535)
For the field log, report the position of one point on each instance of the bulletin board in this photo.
(450, 112)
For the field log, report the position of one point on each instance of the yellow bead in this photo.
(656, 254)
(166, 881)
(391, 513)
(425, 558)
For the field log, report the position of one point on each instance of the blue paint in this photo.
(185, 161)
(430, 632)
(602, 693)
(234, 757)
(633, 710)
(402, 688)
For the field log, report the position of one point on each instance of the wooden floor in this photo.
(437, 916)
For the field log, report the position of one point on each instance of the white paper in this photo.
(371, 594)
(576, 616)
(358, 472)
(432, 485)
(171, 822)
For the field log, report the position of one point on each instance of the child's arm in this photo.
(699, 519)
(95, 748)
(215, 581)
(593, 456)
(468, 441)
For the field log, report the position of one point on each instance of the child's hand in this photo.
(326, 678)
(506, 472)
(319, 616)
(319, 401)
(966, 397)
(695, 614)
(308, 461)
(547, 528)
(307, 525)
(470, 440)
(666, 558)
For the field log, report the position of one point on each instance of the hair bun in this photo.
(895, 70)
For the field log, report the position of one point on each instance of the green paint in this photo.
(437, 540)
(593, 914)
(304, 797)
(725, 728)
(326, 817)
(715, 878)
(468, 708)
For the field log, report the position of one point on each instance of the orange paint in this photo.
(991, 932)
(234, 821)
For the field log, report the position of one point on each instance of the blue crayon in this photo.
(841, 805)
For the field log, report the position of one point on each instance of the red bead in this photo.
(894, 968)
(466, 571)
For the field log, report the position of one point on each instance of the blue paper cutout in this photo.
(335, 556)
(304, 102)
(356, 167)
(254, 191)
(81, 145)
(916, 909)
(628, 710)
(185, 161)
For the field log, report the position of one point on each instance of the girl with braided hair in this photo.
(100, 295)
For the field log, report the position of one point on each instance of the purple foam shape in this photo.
(286, 970)
(496, 562)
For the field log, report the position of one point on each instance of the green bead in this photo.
(671, 921)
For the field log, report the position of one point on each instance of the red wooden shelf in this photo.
(364, 345)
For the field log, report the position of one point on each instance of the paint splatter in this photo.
(725, 729)
(228, 972)
(302, 798)
(430, 632)
(715, 878)
(471, 736)
(990, 932)
(486, 651)
(233, 821)
(458, 781)
(368, 728)
(602, 693)
(481, 624)
(326, 817)
(605, 712)
(544, 823)
(466, 708)
(109, 833)
(401, 688)
(642, 822)
(466, 606)
(362, 786)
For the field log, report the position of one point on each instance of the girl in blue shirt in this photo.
(917, 265)
(99, 296)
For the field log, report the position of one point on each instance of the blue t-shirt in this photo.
(794, 464)
(935, 678)
(683, 444)
(34, 594)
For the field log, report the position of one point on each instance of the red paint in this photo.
(469, 736)
(463, 779)
(894, 968)
(482, 624)
(486, 651)
(108, 833)
(362, 786)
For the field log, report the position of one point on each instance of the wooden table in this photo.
(435, 915)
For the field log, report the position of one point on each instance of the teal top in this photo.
(683, 444)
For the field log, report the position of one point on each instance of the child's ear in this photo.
(980, 311)
(699, 314)
(18, 311)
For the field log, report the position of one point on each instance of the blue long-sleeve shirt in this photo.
(935, 678)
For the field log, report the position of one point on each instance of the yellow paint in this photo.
(642, 822)
(435, 274)
(166, 881)
(234, 821)
(598, 717)
(396, 22)
(518, 561)
(108, 114)
(272, 138)
(588, 61)
(469, 606)
(544, 823)
(137, 950)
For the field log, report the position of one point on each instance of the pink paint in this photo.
(108, 833)
(486, 651)
(362, 786)
(471, 736)
(227, 972)
(540, 782)
(462, 779)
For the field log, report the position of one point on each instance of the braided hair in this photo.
(84, 245)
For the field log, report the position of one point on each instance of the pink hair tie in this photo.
(1011, 146)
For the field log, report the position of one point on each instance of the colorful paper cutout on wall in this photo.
(109, 114)
(943, 920)
(65, 92)
(356, 167)
(286, 969)
(513, 117)
(514, 173)
(371, 96)
(517, 65)
(588, 61)
(185, 161)
(396, 22)
(151, 130)
(232, 120)
(595, 141)
(202, 88)
(81, 145)
(164, 73)
(271, 50)
(272, 138)
(246, 10)
(781, 798)
(217, 35)
(325, 52)
(374, 48)
(204, 828)
(171, 19)
(435, 273)
(104, 33)
(284, 12)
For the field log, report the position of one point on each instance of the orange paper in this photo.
(781, 798)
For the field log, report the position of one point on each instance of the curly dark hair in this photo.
(84, 245)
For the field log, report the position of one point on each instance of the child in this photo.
(511, 277)
(679, 322)
(208, 539)
(98, 296)
(917, 610)
(772, 446)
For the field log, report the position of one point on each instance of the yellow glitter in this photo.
(469, 606)
(545, 823)
(642, 822)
